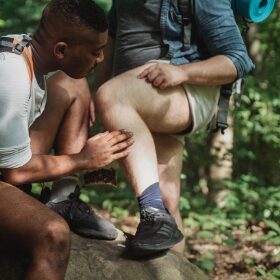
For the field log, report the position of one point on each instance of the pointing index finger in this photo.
(144, 73)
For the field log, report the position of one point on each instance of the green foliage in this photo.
(253, 194)
(20, 16)
(272, 275)
(105, 4)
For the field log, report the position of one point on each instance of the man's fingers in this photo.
(122, 137)
(118, 135)
(153, 75)
(164, 85)
(122, 145)
(113, 134)
(159, 80)
(145, 72)
(99, 135)
(121, 154)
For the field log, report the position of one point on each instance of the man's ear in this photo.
(60, 50)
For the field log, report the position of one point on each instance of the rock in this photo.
(102, 260)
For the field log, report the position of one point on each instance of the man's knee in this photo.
(56, 236)
(67, 89)
(120, 90)
(106, 96)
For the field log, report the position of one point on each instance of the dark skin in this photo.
(77, 60)
(64, 127)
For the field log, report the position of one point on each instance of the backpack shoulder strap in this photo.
(8, 44)
(186, 9)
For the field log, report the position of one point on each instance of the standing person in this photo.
(71, 37)
(163, 91)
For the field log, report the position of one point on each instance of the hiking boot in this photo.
(81, 218)
(157, 231)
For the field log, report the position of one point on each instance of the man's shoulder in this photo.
(12, 66)
(14, 78)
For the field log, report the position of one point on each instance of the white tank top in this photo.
(21, 102)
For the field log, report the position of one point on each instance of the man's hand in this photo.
(162, 75)
(106, 147)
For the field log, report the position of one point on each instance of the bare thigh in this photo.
(23, 218)
(163, 111)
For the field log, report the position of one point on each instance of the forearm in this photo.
(99, 151)
(218, 70)
(44, 168)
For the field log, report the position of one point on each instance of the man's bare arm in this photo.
(98, 152)
(217, 70)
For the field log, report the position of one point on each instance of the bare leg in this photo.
(64, 121)
(170, 157)
(63, 125)
(44, 235)
(130, 103)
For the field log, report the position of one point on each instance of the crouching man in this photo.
(71, 38)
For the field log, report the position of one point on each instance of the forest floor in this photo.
(246, 256)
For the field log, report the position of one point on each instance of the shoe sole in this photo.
(146, 249)
(89, 233)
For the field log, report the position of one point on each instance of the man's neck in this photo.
(42, 61)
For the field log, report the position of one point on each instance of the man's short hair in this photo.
(80, 12)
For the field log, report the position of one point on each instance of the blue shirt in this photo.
(215, 32)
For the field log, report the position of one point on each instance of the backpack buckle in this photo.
(18, 49)
(186, 20)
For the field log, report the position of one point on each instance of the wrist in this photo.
(186, 73)
(79, 161)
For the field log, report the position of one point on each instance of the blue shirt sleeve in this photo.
(217, 28)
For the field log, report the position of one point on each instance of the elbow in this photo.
(243, 65)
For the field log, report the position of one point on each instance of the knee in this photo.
(70, 90)
(105, 96)
(56, 236)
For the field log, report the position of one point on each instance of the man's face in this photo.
(83, 56)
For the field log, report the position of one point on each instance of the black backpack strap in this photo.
(186, 9)
(223, 108)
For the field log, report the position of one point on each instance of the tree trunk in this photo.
(101, 260)
(221, 168)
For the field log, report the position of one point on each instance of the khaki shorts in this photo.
(203, 102)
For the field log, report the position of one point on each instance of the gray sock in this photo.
(63, 187)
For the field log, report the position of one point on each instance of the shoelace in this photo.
(147, 216)
(82, 206)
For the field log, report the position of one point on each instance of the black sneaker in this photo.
(157, 231)
(81, 218)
